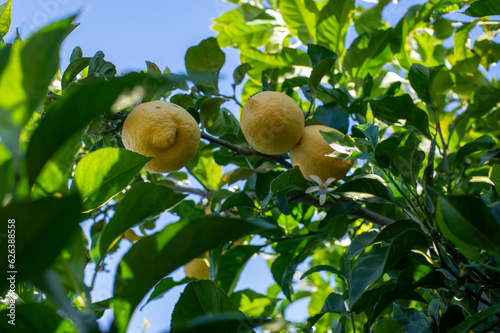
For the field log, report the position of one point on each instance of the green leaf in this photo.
(412, 320)
(482, 143)
(334, 303)
(321, 268)
(320, 70)
(370, 131)
(333, 115)
(370, 188)
(103, 173)
(240, 72)
(221, 322)
(226, 123)
(209, 110)
(38, 244)
(494, 176)
(286, 282)
(395, 229)
(260, 61)
(368, 53)
(300, 17)
(317, 53)
(388, 325)
(246, 26)
(163, 287)
(342, 144)
(76, 54)
(407, 159)
(481, 8)
(98, 65)
(368, 269)
(475, 319)
(169, 249)
(467, 222)
(201, 298)
(72, 71)
(28, 72)
(401, 110)
(386, 149)
(288, 181)
(253, 304)
(333, 21)
(144, 201)
(231, 264)
(55, 175)
(361, 241)
(203, 63)
(34, 317)
(5, 13)
(72, 113)
(204, 168)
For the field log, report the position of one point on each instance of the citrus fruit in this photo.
(271, 122)
(310, 155)
(163, 130)
(197, 268)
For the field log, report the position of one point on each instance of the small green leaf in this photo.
(231, 265)
(98, 65)
(361, 241)
(203, 63)
(481, 8)
(253, 304)
(368, 269)
(144, 201)
(163, 287)
(320, 70)
(334, 303)
(401, 110)
(317, 53)
(413, 320)
(239, 73)
(204, 168)
(321, 268)
(72, 71)
(333, 115)
(475, 319)
(201, 298)
(370, 188)
(388, 325)
(38, 244)
(467, 222)
(290, 180)
(72, 113)
(209, 110)
(332, 24)
(103, 173)
(5, 14)
(300, 17)
(482, 143)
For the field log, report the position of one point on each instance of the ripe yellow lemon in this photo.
(163, 130)
(271, 122)
(197, 268)
(309, 155)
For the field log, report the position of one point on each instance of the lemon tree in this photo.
(358, 156)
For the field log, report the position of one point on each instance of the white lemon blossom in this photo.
(322, 187)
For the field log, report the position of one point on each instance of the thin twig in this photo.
(245, 152)
(233, 98)
(362, 213)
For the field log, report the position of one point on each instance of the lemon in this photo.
(197, 268)
(310, 155)
(271, 122)
(163, 130)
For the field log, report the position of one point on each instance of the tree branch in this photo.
(245, 152)
(362, 213)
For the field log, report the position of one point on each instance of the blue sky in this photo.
(129, 33)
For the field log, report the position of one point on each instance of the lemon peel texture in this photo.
(272, 122)
(310, 155)
(163, 130)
